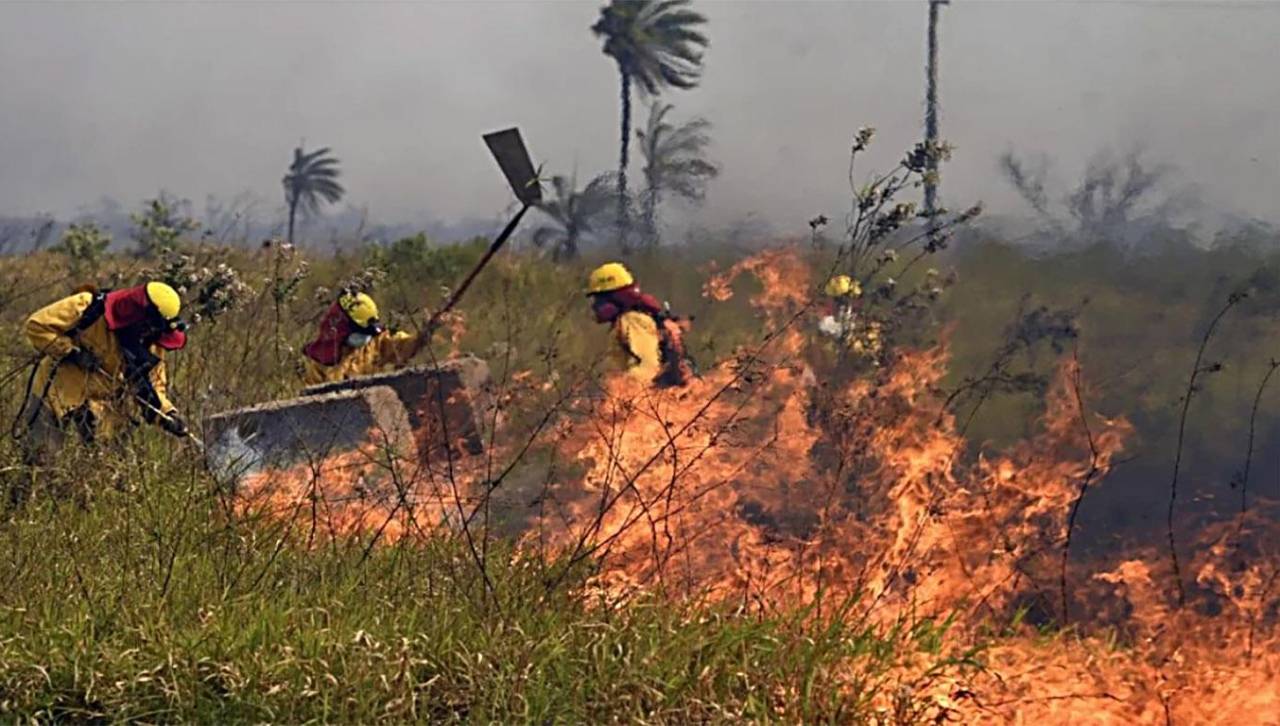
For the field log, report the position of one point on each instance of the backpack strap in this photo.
(97, 308)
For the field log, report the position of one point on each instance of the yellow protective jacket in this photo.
(386, 351)
(639, 348)
(50, 330)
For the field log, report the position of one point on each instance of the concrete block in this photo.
(305, 431)
(445, 404)
(406, 417)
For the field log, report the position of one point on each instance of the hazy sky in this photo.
(121, 99)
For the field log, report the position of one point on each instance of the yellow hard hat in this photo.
(609, 277)
(359, 307)
(165, 299)
(842, 285)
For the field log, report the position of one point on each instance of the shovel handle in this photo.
(466, 282)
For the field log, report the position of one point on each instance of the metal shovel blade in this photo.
(508, 148)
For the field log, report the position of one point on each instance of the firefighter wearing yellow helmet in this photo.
(352, 341)
(609, 277)
(649, 342)
(101, 366)
(842, 293)
(842, 286)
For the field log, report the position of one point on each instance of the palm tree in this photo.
(574, 214)
(312, 178)
(674, 162)
(656, 44)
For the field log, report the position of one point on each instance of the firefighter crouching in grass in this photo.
(850, 332)
(649, 341)
(842, 293)
(353, 342)
(101, 366)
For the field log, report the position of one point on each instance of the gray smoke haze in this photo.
(123, 99)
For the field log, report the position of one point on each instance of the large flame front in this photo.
(768, 485)
(763, 484)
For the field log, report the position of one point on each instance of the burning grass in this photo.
(158, 606)
(782, 540)
(760, 486)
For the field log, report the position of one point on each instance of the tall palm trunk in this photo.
(931, 115)
(569, 248)
(651, 215)
(623, 222)
(293, 212)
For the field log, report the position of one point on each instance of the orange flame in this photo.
(371, 490)
(761, 485)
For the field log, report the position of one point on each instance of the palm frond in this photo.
(317, 171)
(330, 190)
(302, 159)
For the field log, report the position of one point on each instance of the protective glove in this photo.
(829, 326)
(173, 424)
(84, 358)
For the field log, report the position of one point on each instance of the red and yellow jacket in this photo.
(51, 330)
(387, 351)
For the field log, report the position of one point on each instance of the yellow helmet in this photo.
(165, 300)
(359, 307)
(609, 277)
(842, 285)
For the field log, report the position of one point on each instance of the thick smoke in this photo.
(210, 99)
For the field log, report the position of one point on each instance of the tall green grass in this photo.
(148, 603)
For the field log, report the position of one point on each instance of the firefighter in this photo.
(842, 294)
(101, 362)
(353, 342)
(650, 342)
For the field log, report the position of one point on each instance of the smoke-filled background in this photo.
(117, 101)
